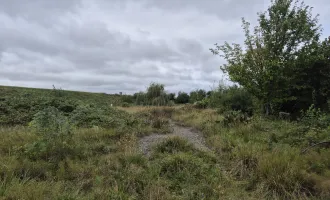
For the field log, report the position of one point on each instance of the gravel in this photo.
(195, 138)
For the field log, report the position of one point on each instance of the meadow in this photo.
(266, 136)
(93, 152)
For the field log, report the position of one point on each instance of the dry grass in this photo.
(248, 161)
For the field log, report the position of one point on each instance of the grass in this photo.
(105, 163)
(91, 152)
(265, 155)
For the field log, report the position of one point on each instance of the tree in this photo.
(155, 90)
(313, 81)
(171, 96)
(197, 95)
(266, 65)
(182, 98)
(156, 94)
(208, 94)
(140, 98)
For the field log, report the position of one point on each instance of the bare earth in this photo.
(191, 136)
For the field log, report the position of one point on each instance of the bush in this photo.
(89, 115)
(232, 118)
(55, 132)
(50, 123)
(237, 99)
(315, 118)
(201, 104)
(125, 105)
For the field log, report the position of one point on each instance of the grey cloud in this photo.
(112, 46)
(38, 10)
(225, 9)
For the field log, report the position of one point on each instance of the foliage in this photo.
(125, 104)
(282, 41)
(55, 132)
(140, 98)
(129, 99)
(157, 118)
(19, 105)
(50, 123)
(315, 118)
(197, 95)
(231, 98)
(155, 96)
(171, 96)
(182, 98)
(201, 104)
(237, 99)
(234, 118)
(263, 155)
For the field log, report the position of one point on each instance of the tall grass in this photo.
(264, 156)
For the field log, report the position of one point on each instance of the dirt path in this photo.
(191, 136)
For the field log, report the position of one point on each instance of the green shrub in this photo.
(50, 123)
(237, 99)
(125, 104)
(232, 118)
(315, 118)
(55, 137)
(89, 115)
(201, 104)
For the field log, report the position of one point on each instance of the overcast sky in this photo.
(122, 45)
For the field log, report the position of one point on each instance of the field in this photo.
(95, 151)
(266, 136)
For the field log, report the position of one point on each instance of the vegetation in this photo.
(268, 135)
(19, 105)
(284, 64)
(182, 98)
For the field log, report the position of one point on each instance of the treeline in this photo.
(223, 98)
(156, 95)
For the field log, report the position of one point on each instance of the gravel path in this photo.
(191, 136)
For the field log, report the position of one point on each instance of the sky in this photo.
(114, 46)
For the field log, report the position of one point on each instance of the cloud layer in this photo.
(121, 45)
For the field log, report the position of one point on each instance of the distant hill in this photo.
(97, 98)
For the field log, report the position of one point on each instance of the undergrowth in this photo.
(266, 156)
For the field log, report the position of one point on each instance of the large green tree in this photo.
(265, 65)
